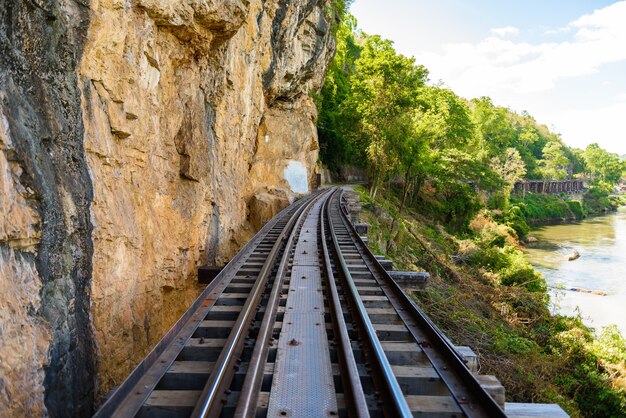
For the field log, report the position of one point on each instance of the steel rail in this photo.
(247, 402)
(353, 389)
(466, 390)
(397, 405)
(128, 398)
(219, 379)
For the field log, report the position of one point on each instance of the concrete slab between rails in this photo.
(411, 280)
(534, 410)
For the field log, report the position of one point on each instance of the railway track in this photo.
(303, 322)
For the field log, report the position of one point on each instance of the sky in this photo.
(562, 61)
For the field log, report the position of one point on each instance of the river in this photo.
(601, 242)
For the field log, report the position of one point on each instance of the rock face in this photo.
(46, 245)
(139, 140)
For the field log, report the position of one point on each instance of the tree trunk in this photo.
(373, 189)
(419, 182)
(405, 192)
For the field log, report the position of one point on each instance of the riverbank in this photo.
(483, 293)
(539, 209)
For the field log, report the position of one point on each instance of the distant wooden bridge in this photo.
(550, 187)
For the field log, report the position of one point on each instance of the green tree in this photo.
(383, 90)
(554, 163)
(577, 160)
(493, 124)
(442, 120)
(456, 128)
(604, 167)
(510, 167)
(335, 123)
(414, 156)
(459, 175)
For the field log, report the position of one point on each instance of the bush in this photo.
(540, 207)
(497, 201)
(519, 272)
(576, 208)
(514, 218)
(583, 371)
(597, 200)
(507, 342)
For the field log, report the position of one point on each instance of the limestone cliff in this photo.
(140, 138)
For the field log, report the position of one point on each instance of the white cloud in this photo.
(498, 65)
(521, 74)
(580, 127)
(558, 31)
(505, 31)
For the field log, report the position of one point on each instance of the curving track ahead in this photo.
(303, 322)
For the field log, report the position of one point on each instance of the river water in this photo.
(601, 242)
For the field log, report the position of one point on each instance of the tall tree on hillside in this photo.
(528, 139)
(383, 91)
(577, 161)
(459, 175)
(510, 167)
(457, 129)
(553, 165)
(603, 166)
(440, 121)
(493, 125)
(335, 124)
(415, 159)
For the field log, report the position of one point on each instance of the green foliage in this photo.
(596, 200)
(553, 165)
(519, 272)
(337, 11)
(510, 342)
(452, 157)
(334, 122)
(610, 346)
(514, 218)
(375, 111)
(576, 207)
(509, 166)
(508, 265)
(585, 363)
(454, 184)
(383, 97)
(604, 167)
(540, 207)
(493, 126)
